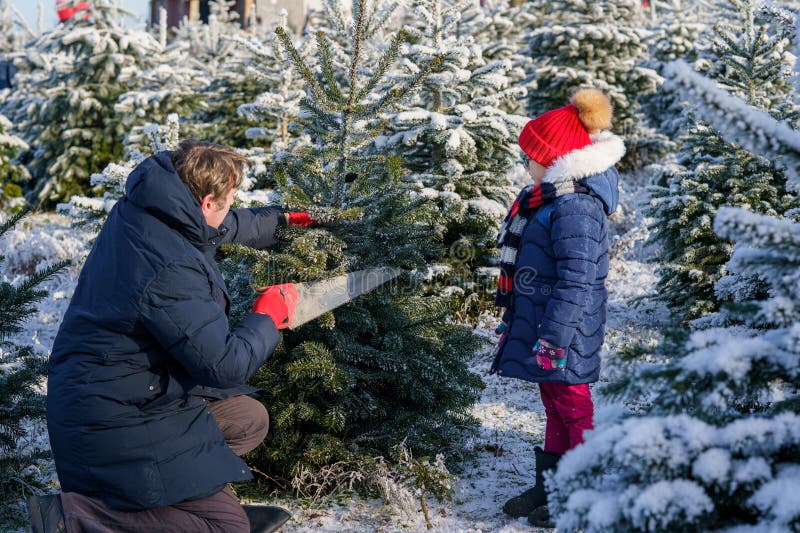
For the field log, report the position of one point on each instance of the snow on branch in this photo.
(736, 121)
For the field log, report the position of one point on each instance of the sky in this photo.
(30, 10)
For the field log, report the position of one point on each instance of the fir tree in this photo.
(676, 27)
(69, 81)
(232, 83)
(173, 87)
(601, 45)
(13, 173)
(277, 105)
(21, 373)
(91, 212)
(12, 29)
(717, 173)
(454, 137)
(717, 447)
(388, 366)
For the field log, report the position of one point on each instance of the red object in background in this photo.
(645, 3)
(67, 12)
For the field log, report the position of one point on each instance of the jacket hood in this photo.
(593, 167)
(156, 187)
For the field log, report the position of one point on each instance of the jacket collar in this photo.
(605, 151)
(156, 187)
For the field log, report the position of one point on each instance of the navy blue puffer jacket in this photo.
(561, 268)
(145, 336)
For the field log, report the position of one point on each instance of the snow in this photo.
(740, 123)
(655, 507)
(512, 417)
(712, 465)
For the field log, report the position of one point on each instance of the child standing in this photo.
(554, 262)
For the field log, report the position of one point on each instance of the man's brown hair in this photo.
(208, 168)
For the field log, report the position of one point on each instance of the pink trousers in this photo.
(569, 411)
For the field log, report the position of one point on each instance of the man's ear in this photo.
(208, 204)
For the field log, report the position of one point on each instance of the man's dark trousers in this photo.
(244, 423)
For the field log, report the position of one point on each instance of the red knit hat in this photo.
(560, 131)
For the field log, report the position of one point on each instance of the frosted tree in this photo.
(231, 82)
(454, 136)
(14, 174)
(714, 172)
(750, 128)
(200, 76)
(174, 86)
(21, 371)
(601, 45)
(388, 366)
(68, 83)
(499, 31)
(677, 26)
(13, 28)
(751, 57)
(277, 106)
(718, 446)
(91, 212)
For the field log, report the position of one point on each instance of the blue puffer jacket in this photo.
(145, 336)
(562, 264)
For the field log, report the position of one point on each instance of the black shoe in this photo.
(266, 518)
(535, 497)
(47, 516)
(540, 517)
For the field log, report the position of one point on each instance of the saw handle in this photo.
(277, 302)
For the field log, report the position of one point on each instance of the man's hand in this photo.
(277, 302)
(299, 218)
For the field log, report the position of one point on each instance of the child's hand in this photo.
(550, 357)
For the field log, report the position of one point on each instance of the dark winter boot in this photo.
(535, 497)
(540, 517)
(47, 516)
(265, 518)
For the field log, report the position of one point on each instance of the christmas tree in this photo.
(68, 83)
(232, 83)
(601, 45)
(676, 27)
(717, 447)
(277, 104)
(717, 173)
(12, 29)
(21, 373)
(676, 33)
(91, 212)
(454, 136)
(388, 367)
(13, 173)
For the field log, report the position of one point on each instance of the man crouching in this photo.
(147, 406)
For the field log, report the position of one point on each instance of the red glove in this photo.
(277, 302)
(300, 218)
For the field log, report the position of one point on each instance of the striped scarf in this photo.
(528, 199)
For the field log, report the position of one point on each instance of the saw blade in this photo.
(317, 298)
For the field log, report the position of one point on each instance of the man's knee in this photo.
(243, 420)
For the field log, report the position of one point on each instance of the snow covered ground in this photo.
(512, 417)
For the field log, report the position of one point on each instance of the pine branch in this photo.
(302, 68)
(12, 221)
(383, 64)
(335, 94)
(397, 94)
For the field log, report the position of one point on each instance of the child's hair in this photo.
(594, 109)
